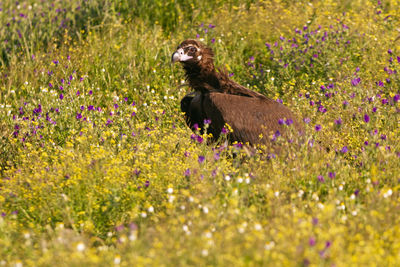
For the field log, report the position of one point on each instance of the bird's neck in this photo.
(202, 77)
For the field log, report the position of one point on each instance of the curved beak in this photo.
(179, 55)
(175, 57)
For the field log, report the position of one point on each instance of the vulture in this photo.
(217, 100)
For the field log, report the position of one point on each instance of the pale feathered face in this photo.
(189, 51)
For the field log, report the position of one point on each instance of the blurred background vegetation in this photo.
(98, 167)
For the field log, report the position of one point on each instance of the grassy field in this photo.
(98, 168)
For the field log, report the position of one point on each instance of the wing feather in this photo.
(247, 116)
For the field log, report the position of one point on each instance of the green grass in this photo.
(98, 167)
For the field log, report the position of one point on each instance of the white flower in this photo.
(388, 193)
(171, 198)
(257, 226)
(205, 210)
(133, 236)
(150, 209)
(117, 260)
(170, 190)
(227, 178)
(269, 245)
(80, 247)
(204, 252)
(276, 193)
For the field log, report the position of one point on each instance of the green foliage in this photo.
(98, 167)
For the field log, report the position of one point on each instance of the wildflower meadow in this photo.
(98, 168)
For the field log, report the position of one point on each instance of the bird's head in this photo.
(192, 52)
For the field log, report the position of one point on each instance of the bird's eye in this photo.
(192, 49)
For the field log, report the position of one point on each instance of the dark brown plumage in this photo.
(223, 101)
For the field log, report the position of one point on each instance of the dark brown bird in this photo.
(254, 118)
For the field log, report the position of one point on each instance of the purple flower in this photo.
(187, 172)
(318, 127)
(355, 81)
(366, 118)
(201, 159)
(366, 143)
(115, 106)
(383, 136)
(78, 116)
(199, 139)
(239, 145)
(396, 98)
(338, 121)
(82, 107)
(207, 121)
(281, 121)
(213, 40)
(312, 241)
(78, 93)
(90, 107)
(50, 85)
(307, 120)
(390, 51)
(374, 109)
(216, 156)
(119, 228)
(332, 175)
(61, 96)
(344, 149)
(289, 121)
(224, 130)
(321, 178)
(90, 92)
